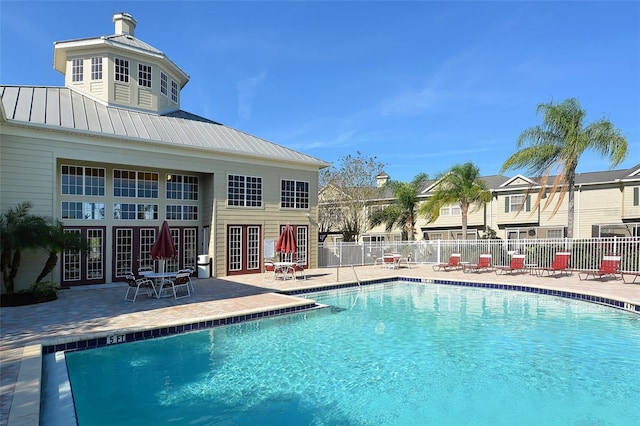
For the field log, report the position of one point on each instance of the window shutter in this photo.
(506, 204)
(636, 196)
(528, 207)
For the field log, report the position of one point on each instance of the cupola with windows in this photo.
(121, 70)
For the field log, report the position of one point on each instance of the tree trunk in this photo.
(464, 223)
(51, 263)
(571, 179)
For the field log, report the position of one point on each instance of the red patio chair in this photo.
(454, 263)
(516, 265)
(483, 265)
(608, 268)
(559, 266)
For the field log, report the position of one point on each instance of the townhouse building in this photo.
(607, 203)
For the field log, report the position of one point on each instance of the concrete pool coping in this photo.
(99, 311)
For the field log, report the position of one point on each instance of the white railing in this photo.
(585, 253)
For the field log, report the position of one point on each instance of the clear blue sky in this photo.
(420, 85)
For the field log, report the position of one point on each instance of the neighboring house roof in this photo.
(62, 108)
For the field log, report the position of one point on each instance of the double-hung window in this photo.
(514, 203)
(294, 194)
(77, 70)
(451, 210)
(244, 191)
(96, 68)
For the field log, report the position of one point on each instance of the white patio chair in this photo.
(136, 285)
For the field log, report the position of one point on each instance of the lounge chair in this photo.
(136, 285)
(608, 268)
(453, 264)
(483, 265)
(390, 261)
(516, 265)
(559, 266)
(634, 274)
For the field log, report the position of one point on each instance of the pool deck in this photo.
(88, 312)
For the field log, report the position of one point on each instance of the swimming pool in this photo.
(392, 354)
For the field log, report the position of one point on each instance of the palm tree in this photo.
(56, 241)
(557, 145)
(403, 212)
(19, 230)
(459, 185)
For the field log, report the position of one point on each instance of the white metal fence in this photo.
(585, 253)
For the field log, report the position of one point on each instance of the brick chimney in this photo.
(125, 23)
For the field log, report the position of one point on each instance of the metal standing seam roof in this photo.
(65, 109)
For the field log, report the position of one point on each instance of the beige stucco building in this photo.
(112, 156)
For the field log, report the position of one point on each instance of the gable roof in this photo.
(61, 108)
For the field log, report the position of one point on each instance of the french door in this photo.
(80, 268)
(132, 249)
(244, 249)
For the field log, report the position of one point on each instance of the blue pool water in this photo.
(391, 354)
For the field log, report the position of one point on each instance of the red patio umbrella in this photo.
(286, 242)
(163, 247)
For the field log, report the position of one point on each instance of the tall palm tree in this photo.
(19, 230)
(459, 185)
(556, 146)
(403, 212)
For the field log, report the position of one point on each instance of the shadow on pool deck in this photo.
(101, 309)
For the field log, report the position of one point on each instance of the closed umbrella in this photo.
(286, 242)
(163, 247)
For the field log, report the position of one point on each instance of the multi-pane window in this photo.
(174, 91)
(181, 212)
(79, 180)
(244, 191)
(294, 194)
(96, 68)
(124, 183)
(513, 203)
(180, 187)
(163, 84)
(77, 69)
(95, 239)
(122, 70)
(130, 183)
(79, 210)
(144, 75)
(71, 261)
(451, 210)
(555, 233)
(132, 211)
(148, 185)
